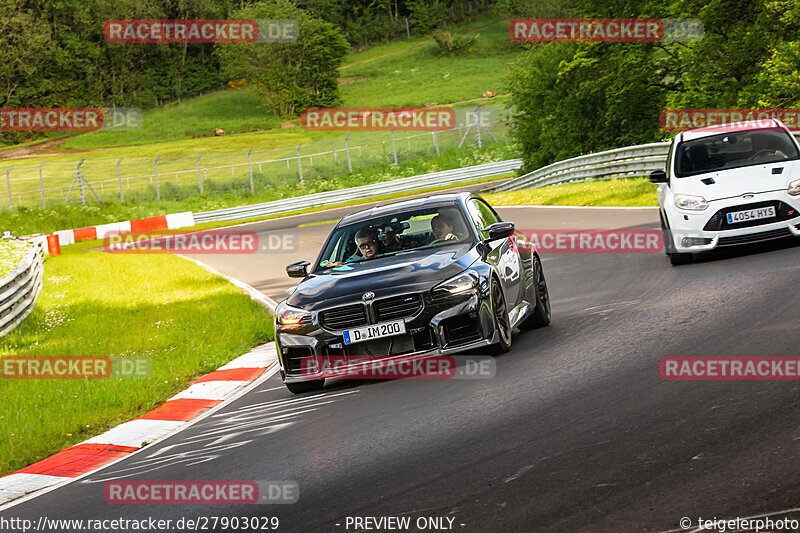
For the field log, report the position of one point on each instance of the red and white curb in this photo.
(225, 384)
(142, 225)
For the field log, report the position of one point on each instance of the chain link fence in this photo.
(179, 176)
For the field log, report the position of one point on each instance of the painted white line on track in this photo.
(254, 293)
(137, 431)
(210, 390)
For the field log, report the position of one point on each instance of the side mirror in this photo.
(659, 176)
(298, 269)
(499, 230)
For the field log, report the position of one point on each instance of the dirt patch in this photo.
(354, 79)
(38, 149)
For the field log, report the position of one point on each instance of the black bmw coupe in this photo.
(435, 275)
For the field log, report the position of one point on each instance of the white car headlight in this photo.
(291, 317)
(794, 188)
(461, 283)
(691, 202)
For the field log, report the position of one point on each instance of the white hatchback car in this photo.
(729, 185)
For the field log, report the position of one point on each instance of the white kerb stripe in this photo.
(15, 485)
(65, 237)
(260, 357)
(115, 228)
(180, 220)
(135, 432)
(211, 390)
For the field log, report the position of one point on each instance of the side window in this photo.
(482, 215)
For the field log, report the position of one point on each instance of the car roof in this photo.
(717, 129)
(438, 200)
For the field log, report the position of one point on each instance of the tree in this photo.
(288, 76)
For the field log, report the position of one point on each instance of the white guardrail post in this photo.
(19, 289)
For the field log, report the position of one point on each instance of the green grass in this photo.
(626, 192)
(420, 76)
(26, 221)
(11, 253)
(188, 321)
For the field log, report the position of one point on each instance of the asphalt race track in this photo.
(577, 431)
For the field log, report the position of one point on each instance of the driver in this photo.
(367, 242)
(368, 246)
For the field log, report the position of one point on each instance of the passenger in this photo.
(442, 228)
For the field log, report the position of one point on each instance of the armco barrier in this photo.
(445, 177)
(19, 289)
(629, 162)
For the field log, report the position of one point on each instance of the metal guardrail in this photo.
(629, 162)
(19, 289)
(445, 177)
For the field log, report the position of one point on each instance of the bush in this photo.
(450, 44)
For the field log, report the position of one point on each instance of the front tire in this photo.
(541, 314)
(502, 321)
(301, 387)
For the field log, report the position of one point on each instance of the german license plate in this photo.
(751, 214)
(375, 331)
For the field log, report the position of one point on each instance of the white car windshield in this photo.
(733, 150)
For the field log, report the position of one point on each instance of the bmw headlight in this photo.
(794, 188)
(463, 282)
(690, 202)
(291, 317)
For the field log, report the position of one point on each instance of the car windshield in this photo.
(733, 150)
(392, 234)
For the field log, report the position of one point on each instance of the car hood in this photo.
(738, 181)
(403, 273)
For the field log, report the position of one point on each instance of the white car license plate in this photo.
(375, 331)
(751, 214)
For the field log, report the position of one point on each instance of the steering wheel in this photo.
(437, 241)
(762, 152)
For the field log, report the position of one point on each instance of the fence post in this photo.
(158, 189)
(435, 141)
(250, 166)
(78, 175)
(347, 148)
(199, 174)
(477, 120)
(408, 32)
(119, 177)
(41, 185)
(8, 184)
(300, 163)
(394, 148)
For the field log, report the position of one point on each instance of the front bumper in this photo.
(442, 326)
(693, 231)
